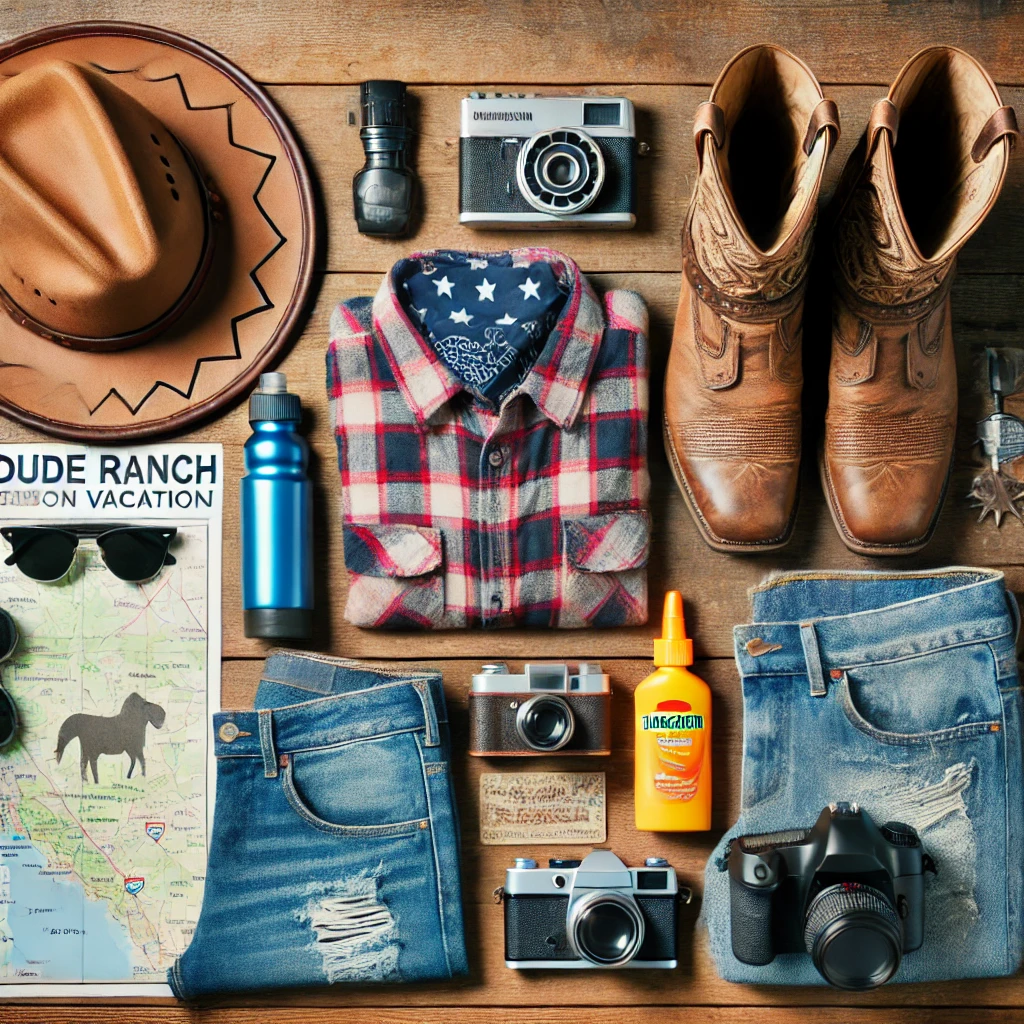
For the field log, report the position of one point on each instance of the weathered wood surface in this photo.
(663, 56)
(571, 42)
(637, 1013)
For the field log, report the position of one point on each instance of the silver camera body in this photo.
(547, 161)
(546, 709)
(594, 913)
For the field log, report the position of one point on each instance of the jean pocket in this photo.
(604, 569)
(943, 696)
(396, 576)
(369, 788)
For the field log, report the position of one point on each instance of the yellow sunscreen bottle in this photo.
(672, 785)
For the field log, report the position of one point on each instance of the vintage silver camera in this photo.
(591, 913)
(547, 162)
(546, 710)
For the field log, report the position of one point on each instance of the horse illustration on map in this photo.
(123, 733)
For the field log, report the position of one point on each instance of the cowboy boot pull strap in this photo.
(709, 119)
(824, 117)
(885, 116)
(1002, 124)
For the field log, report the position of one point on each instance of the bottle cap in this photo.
(273, 401)
(673, 647)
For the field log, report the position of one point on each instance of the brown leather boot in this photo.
(919, 184)
(732, 392)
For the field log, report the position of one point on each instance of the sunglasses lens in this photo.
(8, 718)
(8, 635)
(135, 554)
(41, 554)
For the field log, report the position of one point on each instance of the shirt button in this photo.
(496, 458)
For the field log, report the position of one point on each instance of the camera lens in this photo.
(606, 928)
(560, 169)
(853, 935)
(560, 172)
(545, 723)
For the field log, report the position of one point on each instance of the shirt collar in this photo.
(557, 381)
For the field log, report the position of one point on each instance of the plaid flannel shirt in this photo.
(457, 513)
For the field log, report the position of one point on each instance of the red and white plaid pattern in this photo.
(459, 514)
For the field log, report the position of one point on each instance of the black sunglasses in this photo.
(8, 710)
(132, 553)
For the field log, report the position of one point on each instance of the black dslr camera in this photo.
(846, 891)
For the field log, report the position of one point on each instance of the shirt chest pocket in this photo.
(396, 576)
(604, 570)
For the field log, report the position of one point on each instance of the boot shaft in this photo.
(922, 179)
(762, 140)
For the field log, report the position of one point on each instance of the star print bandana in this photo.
(488, 487)
(486, 319)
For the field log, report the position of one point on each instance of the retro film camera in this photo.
(846, 891)
(591, 913)
(546, 710)
(547, 162)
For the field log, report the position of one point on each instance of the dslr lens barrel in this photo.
(853, 935)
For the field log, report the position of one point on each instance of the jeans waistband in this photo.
(835, 620)
(364, 701)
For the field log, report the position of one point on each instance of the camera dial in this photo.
(545, 723)
(560, 172)
(605, 928)
(853, 935)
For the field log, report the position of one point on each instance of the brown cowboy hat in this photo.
(156, 231)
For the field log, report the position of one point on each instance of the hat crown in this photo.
(102, 221)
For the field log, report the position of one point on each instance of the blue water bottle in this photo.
(277, 517)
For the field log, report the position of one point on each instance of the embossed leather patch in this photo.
(756, 647)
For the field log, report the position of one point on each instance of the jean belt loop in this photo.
(812, 656)
(422, 687)
(1014, 605)
(267, 743)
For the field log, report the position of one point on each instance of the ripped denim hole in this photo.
(934, 804)
(354, 931)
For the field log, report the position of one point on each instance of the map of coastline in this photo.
(101, 881)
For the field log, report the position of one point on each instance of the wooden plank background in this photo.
(663, 55)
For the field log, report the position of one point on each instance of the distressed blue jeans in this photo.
(898, 691)
(335, 847)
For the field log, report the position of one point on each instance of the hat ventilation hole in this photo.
(170, 178)
(165, 161)
(174, 194)
(156, 141)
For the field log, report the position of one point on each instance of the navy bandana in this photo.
(486, 319)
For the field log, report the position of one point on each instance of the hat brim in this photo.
(256, 293)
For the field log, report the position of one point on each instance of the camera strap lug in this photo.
(927, 864)
(499, 894)
(685, 895)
